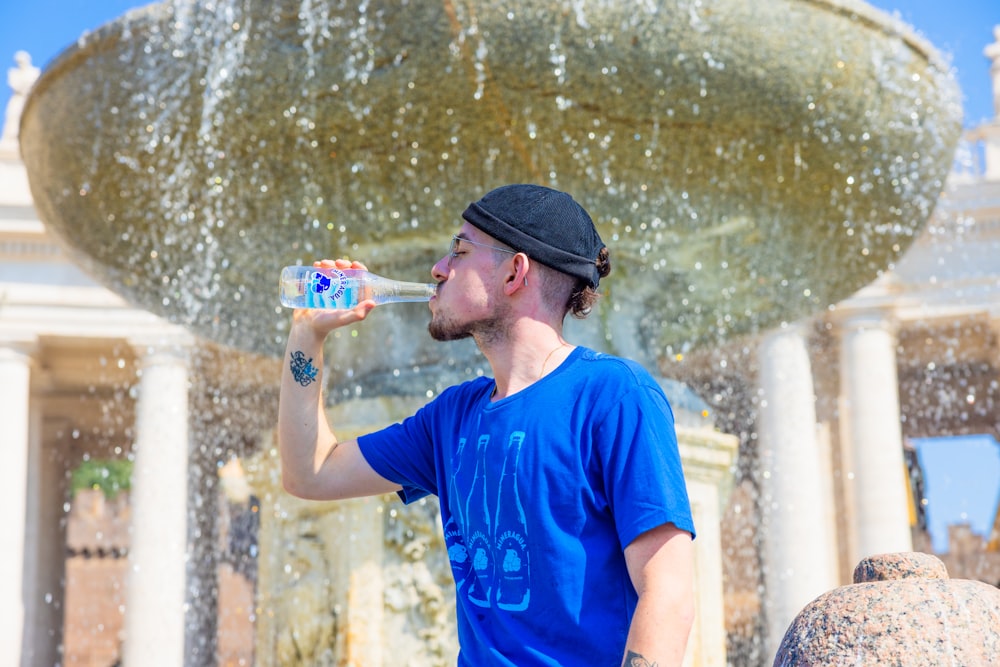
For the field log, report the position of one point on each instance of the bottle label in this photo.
(327, 280)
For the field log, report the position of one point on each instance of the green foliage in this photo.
(109, 475)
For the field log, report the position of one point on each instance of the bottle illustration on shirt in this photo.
(513, 576)
(478, 525)
(454, 539)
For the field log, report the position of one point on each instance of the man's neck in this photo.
(525, 357)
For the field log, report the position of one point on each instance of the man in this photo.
(563, 501)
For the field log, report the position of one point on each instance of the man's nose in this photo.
(440, 269)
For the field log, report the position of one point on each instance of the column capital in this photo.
(853, 320)
(12, 348)
(994, 323)
(777, 340)
(25, 352)
(994, 338)
(800, 328)
(173, 345)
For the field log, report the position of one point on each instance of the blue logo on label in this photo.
(320, 283)
(324, 283)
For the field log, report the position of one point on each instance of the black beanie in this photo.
(545, 224)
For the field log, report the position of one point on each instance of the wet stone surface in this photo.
(748, 163)
(903, 611)
(907, 565)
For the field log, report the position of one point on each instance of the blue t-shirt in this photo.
(540, 492)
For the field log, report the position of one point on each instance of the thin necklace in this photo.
(540, 374)
(549, 356)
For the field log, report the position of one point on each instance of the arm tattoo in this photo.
(303, 370)
(633, 659)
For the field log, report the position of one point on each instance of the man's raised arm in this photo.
(314, 464)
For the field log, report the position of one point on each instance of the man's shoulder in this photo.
(609, 378)
(604, 366)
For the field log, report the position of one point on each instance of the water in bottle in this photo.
(312, 287)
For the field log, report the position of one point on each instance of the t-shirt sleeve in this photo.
(643, 477)
(404, 453)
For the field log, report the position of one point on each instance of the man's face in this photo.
(470, 301)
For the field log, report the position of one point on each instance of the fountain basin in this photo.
(748, 163)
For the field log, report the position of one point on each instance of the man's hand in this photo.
(321, 322)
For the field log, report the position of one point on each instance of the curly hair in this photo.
(582, 299)
(572, 295)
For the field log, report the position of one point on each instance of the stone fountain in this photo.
(747, 163)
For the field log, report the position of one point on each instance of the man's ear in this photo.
(518, 275)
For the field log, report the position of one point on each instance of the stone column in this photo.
(798, 549)
(707, 458)
(15, 369)
(871, 426)
(45, 541)
(156, 585)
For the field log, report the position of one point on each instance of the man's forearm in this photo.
(661, 564)
(313, 463)
(659, 633)
(304, 436)
(633, 659)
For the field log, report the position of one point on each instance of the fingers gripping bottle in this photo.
(312, 287)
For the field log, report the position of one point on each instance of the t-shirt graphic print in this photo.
(497, 532)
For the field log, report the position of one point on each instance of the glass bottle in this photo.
(454, 538)
(513, 574)
(478, 520)
(312, 287)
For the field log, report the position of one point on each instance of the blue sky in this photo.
(960, 29)
(962, 482)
